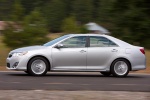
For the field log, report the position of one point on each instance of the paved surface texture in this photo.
(74, 82)
(72, 95)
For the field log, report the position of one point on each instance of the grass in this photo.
(4, 50)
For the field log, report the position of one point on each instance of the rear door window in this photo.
(97, 41)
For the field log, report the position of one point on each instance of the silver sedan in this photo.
(81, 53)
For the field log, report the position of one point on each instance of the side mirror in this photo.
(58, 46)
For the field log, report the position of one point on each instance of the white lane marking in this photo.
(10, 82)
(64, 84)
(58, 83)
(124, 84)
(15, 82)
(38, 90)
(85, 84)
(131, 84)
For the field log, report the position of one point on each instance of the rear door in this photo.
(100, 52)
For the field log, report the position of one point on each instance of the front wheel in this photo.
(120, 68)
(38, 66)
(26, 72)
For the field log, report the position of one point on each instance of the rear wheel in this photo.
(106, 73)
(38, 66)
(120, 68)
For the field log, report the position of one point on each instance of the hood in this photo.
(30, 48)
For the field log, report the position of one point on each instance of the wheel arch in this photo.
(42, 57)
(123, 59)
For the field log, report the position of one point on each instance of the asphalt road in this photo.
(74, 82)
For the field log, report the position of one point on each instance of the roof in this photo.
(117, 41)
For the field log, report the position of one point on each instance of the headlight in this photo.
(17, 54)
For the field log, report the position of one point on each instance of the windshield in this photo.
(55, 40)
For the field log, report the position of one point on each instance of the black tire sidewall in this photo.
(29, 66)
(106, 73)
(113, 71)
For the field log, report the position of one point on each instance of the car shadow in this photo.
(75, 75)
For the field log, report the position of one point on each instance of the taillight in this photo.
(142, 50)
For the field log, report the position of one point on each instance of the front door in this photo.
(72, 56)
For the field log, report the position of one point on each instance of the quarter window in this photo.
(75, 42)
(101, 42)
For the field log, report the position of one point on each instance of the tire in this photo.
(26, 72)
(38, 66)
(120, 68)
(106, 73)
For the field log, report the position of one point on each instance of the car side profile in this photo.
(79, 53)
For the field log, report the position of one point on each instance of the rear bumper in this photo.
(138, 63)
(138, 67)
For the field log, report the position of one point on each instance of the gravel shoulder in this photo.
(72, 95)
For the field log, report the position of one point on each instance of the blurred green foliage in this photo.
(55, 13)
(125, 19)
(32, 31)
(83, 10)
(18, 11)
(133, 22)
(70, 25)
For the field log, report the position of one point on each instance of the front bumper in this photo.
(17, 63)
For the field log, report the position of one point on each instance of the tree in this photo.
(104, 15)
(32, 32)
(126, 19)
(133, 23)
(5, 9)
(30, 5)
(18, 11)
(55, 13)
(68, 7)
(70, 25)
(83, 10)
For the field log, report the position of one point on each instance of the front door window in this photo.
(75, 42)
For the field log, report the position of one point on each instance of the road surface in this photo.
(75, 81)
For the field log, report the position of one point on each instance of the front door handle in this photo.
(82, 51)
(114, 50)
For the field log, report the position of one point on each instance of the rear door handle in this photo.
(82, 51)
(114, 50)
